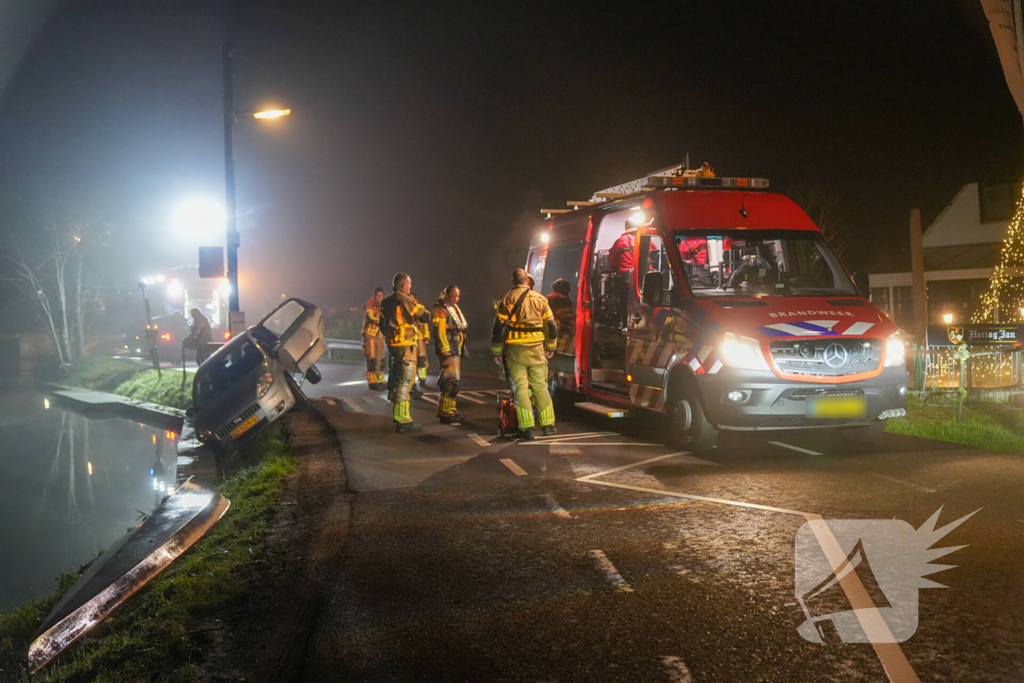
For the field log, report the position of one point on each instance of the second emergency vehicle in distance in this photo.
(720, 304)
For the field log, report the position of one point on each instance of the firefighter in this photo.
(373, 342)
(565, 316)
(200, 334)
(620, 256)
(448, 328)
(422, 363)
(522, 341)
(400, 314)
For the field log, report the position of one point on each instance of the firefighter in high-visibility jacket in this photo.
(373, 342)
(523, 338)
(448, 332)
(400, 314)
(422, 362)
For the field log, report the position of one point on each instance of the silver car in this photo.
(250, 382)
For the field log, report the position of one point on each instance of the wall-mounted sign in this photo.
(976, 335)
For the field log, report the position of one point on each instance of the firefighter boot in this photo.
(549, 430)
(454, 419)
(526, 434)
(406, 427)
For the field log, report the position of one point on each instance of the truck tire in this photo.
(689, 429)
(867, 435)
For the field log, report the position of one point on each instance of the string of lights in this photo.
(1005, 298)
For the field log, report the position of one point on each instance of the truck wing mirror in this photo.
(863, 283)
(654, 288)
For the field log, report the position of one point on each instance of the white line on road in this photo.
(904, 483)
(330, 402)
(432, 398)
(367, 399)
(575, 443)
(555, 507)
(353, 405)
(794, 448)
(516, 469)
(579, 435)
(351, 384)
(676, 669)
(471, 399)
(480, 441)
(889, 652)
(610, 572)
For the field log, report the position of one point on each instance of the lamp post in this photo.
(231, 222)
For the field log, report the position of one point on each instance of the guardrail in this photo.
(343, 343)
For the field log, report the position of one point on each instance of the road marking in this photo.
(610, 572)
(676, 669)
(432, 398)
(599, 443)
(578, 435)
(685, 573)
(330, 402)
(889, 652)
(351, 384)
(794, 448)
(565, 450)
(516, 469)
(367, 399)
(480, 441)
(353, 405)
(905, 483)
(554, 506)
(471, 399)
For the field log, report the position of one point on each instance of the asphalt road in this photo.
(602, 554)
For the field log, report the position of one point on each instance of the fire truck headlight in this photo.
(741, 352)
(263, 386)
(895, 354)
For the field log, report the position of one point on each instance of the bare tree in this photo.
(827, 210)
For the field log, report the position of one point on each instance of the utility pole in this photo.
(920, 288)
(229, 182)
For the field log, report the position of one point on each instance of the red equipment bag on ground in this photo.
(508, 423)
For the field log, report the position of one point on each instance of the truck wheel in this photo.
(689, 429)
(863, 436)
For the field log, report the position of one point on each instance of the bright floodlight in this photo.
(272, 113)
(174, 288)
(200, 220)
(947, 318)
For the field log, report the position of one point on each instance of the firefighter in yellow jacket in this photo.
(373, 342)
(422, 362)
(448, 332)
(400, 314)
(523, 339)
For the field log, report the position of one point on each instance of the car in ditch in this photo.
(250, 382)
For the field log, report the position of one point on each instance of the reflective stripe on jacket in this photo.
(371, 319)
(399, 315)
(448, 328)
(533, 324)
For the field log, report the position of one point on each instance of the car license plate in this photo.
(244, 427)
(836, 406)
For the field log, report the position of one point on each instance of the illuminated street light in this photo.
(199, 220)
(947, 318)
(271, 113)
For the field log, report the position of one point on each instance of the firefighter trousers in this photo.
(373, 351)
(528, 375)
(400, 380)
(448, 384)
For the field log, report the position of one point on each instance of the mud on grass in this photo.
(161, 633)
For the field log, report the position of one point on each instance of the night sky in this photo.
(426, 136)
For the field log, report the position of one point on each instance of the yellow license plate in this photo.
(836, 406)
(244, 427)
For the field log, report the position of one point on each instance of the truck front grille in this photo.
(827, 357)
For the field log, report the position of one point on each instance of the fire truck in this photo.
(732, 313)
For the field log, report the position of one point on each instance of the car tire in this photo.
(866, 435)
(689, 428)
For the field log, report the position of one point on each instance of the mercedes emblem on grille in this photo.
(835, 355)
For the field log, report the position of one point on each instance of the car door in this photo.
(294, 333)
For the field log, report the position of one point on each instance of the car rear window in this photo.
(224, 369)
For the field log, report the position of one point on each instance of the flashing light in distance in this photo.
(170, 435)
(545, 237)
(46, 404)
(174, 288)
(225, 287)
(199, 220)
(947, 318)
(160, 277)
(227, 335)
(271, 113)
(166, 336)
(89, 466)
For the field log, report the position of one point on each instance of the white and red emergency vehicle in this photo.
(733, 313)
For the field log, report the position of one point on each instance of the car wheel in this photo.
(689, 429)
(866, 435)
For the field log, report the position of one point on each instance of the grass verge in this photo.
(994, 426)
(103, 374)
(166, 389)
(161, 633)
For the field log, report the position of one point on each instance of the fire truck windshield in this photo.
(761, 263)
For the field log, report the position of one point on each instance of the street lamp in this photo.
(947, 318)
(231, 224)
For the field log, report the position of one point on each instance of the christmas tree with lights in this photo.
(1005, 298)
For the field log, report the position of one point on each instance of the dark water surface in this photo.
(70, 486)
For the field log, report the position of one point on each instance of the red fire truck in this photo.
(731, 314)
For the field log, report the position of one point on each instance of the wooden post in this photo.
(919, 289)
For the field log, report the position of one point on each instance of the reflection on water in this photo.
(70, 486)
